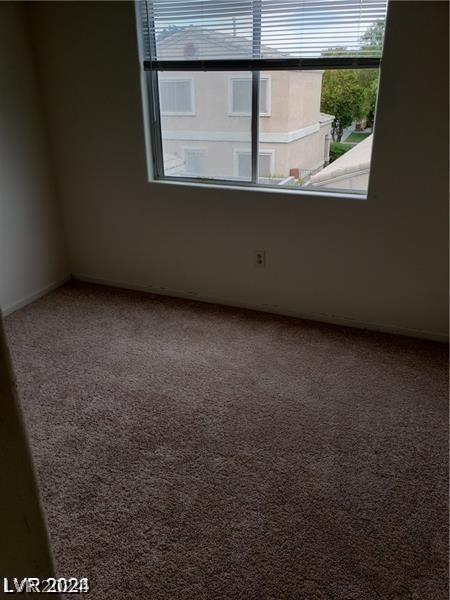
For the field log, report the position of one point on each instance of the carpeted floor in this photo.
(189, 451)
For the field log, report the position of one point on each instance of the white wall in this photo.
(382, 262)
(25, 548)
(32, 252)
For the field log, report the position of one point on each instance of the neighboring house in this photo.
(349, 172)
(206, 117)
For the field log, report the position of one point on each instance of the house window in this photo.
(244, 164)
(299, 75)
(195, 161)
(240, 91)
(176, 96)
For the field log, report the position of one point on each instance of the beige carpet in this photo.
(190, 451)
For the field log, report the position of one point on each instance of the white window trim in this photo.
(237, 151)
(149, 79)
(192, 92)
(273, 137)
(231, 113)
(187, 149)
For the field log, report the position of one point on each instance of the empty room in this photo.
(224, 299)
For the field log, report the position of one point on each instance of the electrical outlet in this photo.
(260, 258)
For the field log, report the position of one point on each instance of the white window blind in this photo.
(311, 28)
(244, 164)
(176, 96)
(265, 164)
(195, 161)
(248, 39)
(199, 30)
(241, 96)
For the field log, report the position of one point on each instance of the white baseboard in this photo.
(34, 296)
(270, 308)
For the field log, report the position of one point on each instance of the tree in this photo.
(368, 80)
(351, 94)
(372, 39)
(343, 97)
(168, 31)
(372, 93)
(371, 44)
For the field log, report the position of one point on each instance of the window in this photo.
(177, 96)
(302, 77)
(210, 128)
(241, 96)
(195, 161)
(244, 164)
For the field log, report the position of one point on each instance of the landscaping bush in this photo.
(337, 149)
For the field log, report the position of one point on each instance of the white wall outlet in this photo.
(260, 258)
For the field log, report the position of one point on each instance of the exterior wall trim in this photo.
(325, 122)
(244, 136)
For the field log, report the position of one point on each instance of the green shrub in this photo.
(337, 149)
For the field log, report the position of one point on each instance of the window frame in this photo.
(190, 80)
(255, 65)
(232, 79)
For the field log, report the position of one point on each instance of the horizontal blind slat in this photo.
(187, 30)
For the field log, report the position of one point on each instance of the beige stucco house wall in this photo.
(208, 138)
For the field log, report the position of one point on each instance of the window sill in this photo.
(301, 192)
